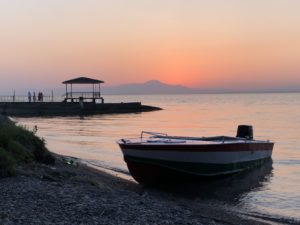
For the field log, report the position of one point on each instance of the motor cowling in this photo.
(245, 131)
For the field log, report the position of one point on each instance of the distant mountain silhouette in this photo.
(153, 87)
(149, 87)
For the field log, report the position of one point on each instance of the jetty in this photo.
(72, 103)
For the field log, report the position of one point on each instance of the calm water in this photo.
(272, 190)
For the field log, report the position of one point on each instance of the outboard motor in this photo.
(245, 131)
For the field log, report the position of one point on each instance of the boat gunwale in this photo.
(226, 147)
(187, 144)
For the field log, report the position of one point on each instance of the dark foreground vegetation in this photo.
(20, 146)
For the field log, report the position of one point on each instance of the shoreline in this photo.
(75, 193)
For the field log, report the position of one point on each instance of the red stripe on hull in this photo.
(232, 147)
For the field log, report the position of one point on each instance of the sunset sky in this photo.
(205, 44)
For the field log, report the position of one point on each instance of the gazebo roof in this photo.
(83, 80)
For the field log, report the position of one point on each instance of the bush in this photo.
(7, 164)
(20, 153)
(19, 145)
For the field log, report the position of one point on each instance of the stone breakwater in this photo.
(77, 194)
(69, 108)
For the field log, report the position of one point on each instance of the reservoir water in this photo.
(270, 191)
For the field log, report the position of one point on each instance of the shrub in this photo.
(20, 153)
(7, 163)
(20, 145)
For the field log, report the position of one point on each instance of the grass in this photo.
(20, 145)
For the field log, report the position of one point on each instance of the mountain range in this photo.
(159, 88)
(149, 87)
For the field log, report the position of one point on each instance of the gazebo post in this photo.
(66, 92)
(94, 93)
(71, 93)
(99, 91)
(93, 90)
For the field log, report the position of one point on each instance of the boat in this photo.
(156, 157)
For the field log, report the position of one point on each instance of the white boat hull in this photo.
(156, 161)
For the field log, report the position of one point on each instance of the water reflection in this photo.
(230, 189)
(267, 190)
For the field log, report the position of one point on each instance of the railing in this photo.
(23, 98)
(50, 98)
(83, 94)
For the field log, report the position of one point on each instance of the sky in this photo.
(196, 43)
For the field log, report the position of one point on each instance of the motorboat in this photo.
(157, 157)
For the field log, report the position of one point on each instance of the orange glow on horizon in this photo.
(196, 44)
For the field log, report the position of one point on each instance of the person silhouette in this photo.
(34, 97)
(29, 96)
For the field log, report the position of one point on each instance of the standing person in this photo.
(39, 96)
(29, 96)
(42, 96)
(34, 97)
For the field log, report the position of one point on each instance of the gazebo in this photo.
(83, 95)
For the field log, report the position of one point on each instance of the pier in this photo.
(71, 103)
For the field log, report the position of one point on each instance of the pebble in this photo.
(32, 199)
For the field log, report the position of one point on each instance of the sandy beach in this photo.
(73, 193)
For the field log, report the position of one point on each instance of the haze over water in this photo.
(271, 190)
